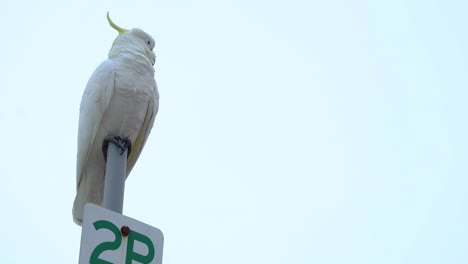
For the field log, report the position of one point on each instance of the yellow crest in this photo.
(119, 29)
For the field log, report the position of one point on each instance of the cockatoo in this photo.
(121, 99)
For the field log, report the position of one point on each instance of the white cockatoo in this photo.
(121, 99)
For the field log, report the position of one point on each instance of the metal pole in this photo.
(114, 183)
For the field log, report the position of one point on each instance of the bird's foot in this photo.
(123, 143)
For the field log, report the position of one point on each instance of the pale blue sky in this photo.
(288, 132)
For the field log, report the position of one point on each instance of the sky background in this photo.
(288, 132)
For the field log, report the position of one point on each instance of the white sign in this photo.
(111, 238)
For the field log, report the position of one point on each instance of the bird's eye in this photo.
(150, 43)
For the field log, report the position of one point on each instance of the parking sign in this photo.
(111, 238)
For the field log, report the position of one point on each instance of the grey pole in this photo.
(114, 183)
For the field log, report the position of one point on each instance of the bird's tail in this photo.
(78, 206)
(90, 190)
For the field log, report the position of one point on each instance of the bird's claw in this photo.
(123, 143)
(126, 145)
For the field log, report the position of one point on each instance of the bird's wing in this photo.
(95, 101)
(145, 130)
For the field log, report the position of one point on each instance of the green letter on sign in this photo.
(113, 245)
(105, 245)
(131, 255)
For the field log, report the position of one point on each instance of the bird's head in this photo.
(134, 40)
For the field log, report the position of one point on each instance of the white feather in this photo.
(120, 99)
